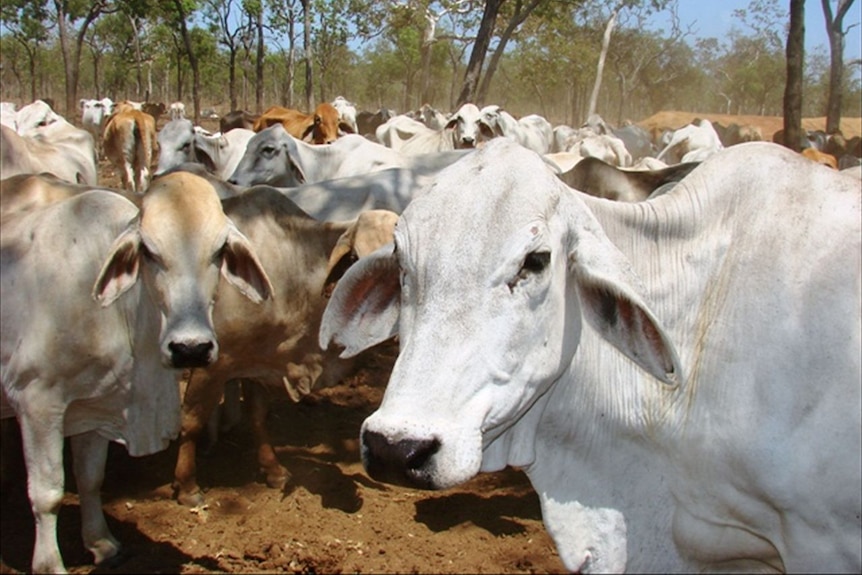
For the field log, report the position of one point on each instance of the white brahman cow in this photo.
(94, 115)
(692, 143)
(274, 344)
(180, 142)
(276, 158)
(90, 352)
(532, 131)
(346, 113)
(680, 378)
(61, 149)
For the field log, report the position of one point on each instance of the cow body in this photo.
(72, 367)
(130, 142)
(323, 126)
(680, 378)
(61, 149)
(603, 180)
(274, 344)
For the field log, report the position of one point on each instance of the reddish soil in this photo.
(768, 124)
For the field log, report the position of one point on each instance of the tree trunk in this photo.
(291, 60)
(606, 41)
(309, 64)
(193, 60)
(795, 53)
(521, 14)
(258, 92)
(477, 56)
(231, 78)
(428, 39)
(836, 69)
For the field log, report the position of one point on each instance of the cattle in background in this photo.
(819, 157)
(346, 113)
(177, 110)
(692, 143)
(636, 140)
(738, 134)
(398, 130)
(532, 131)
(8, 114)
(37, 118)
(368, 122)
(276, 158)
(237, 119)
(154, 109)
(605, 180)
(119, 381)
(129, 142)
(180, 142)
(464, 130)
(430, 116)
(321, 127)
(94, 115)
(648, 365)
(273, 346)
(51, 144)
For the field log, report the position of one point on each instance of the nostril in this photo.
(184, 355)
(402, 462)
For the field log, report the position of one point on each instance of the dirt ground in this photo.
(330, 518)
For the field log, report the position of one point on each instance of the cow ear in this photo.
(346, 128)
(364, 308)
(120, 270)
(451, 123)
(610, 299)
(242, 269)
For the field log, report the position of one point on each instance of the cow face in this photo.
(269, 158)
(179, 245)
(487, 322)
(469, 129)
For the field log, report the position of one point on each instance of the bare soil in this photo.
(330, 518)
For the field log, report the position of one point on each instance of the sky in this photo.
(714, 19)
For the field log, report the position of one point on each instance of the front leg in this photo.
(276, 474)
(89, 454)
(42, 440)
(200, 400)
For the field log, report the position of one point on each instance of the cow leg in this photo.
(128, 177)
(258, 398)
(200, 400)
(42, 440)
(89, 454)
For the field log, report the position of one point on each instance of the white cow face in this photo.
(491, 271)
(179, 245)
(270, 158)
(469, 129)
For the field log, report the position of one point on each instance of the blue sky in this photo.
(714, 19)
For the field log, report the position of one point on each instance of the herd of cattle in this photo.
(663, 329)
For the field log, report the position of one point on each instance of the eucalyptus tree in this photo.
(231, 26)
(29, 25)
(795, 55)
(836, 31)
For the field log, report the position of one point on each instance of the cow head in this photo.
(270, 158)
(178, 245)
(486, 322)
(468, 127)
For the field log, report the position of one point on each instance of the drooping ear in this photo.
(241, 268)
(453, 121)
(346, 128)
(364, 308)
(120, 270)
(610, 298)
(308, 133)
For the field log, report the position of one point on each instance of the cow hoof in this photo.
(193, 498)
(277, 479)
(108, 553)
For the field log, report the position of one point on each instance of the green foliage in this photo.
(370, 52)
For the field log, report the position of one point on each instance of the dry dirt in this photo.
(331, 517)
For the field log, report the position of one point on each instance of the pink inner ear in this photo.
(373, 292)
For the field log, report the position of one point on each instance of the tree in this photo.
(230, 30)
(795, 69)
(26, 23)
(67, 13)
(480, 48)
(835, 29)
(182, 11)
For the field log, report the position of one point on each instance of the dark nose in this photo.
(403, 462)
(185, 355)
(468, 142)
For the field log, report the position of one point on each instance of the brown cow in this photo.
(816, 155)
(129, 142)
(321, 127)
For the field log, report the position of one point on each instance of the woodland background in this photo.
(530, 56)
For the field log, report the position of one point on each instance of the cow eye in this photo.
(534, 264)
(268, 151)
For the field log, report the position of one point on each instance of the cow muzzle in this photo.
(192, 354)
(406, 462)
